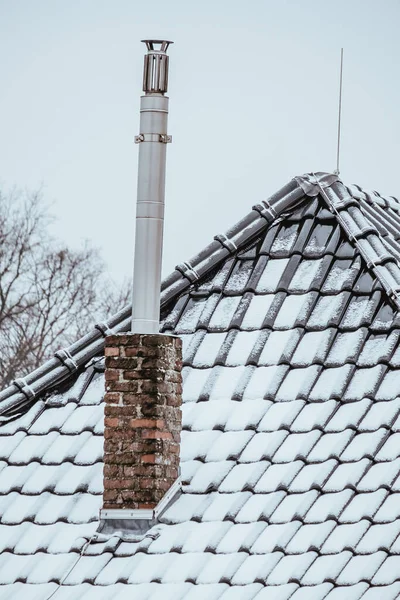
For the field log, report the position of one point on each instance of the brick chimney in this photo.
(142, 419)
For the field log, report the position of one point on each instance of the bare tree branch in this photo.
(49, 294)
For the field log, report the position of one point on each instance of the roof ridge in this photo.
(373, 197)
(360, 230)
(24, 391)
(366, 237)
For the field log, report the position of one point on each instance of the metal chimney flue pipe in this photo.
(152, 139)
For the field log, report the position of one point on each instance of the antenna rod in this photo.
(340, 113)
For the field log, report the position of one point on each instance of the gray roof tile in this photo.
(256, 567)
(353, 592)
(388, 571)
(275, 537)
(389, 592)
(363, 506)
(379, 537)
(291, 569)
(315, 592)
(309, 537)
(328, 506)
(240, 536)
(326, 568)
(361, 568)
(346, 475)
(345, 537)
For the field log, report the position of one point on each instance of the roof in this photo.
(291, 426)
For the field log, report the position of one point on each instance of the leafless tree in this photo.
(49, 294)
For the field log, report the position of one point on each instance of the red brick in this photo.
(132, 375)
(111, 375)
(140, 423)
(121, 363)
(149, 458)
(109, 495)
(111, 351)
(121, 339)
(155, 434)
(131, 351)
(111, 422)
(112, 398)
(119, 484)
(123, 386)
(115, 410)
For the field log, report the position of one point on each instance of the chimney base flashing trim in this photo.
(128, 530)
(146, 514)
(126, 514)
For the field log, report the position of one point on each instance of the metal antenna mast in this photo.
(337, 171)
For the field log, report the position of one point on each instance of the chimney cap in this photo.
(155, 72)
(163, 45)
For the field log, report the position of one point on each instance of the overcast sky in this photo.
(253, 102)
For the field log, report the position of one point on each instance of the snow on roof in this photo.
(291, 425)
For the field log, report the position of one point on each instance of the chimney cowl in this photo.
(155, 71)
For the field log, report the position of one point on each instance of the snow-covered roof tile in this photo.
(278, 477)
(388, 571)
(293, 506)
(256, 567)
(345, 537)
(330, 445)
(310, 537)
(364, 445)
(275, 537)
(346, 475)
(379, 537)
(363, 506)
(388, 592)
(291, 568)
(240, 536)
(380, 475)
(381, 413)
(361, 568)
(328, 506)
(259, 507)
(281, 415)
(349, 415)
(326, 568)
(331, 383)
(351, 592)
(296, 446)
(314, 416)
(390, 448)
(243, 476)
(263, 445)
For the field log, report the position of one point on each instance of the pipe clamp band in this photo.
(226, 242)
(163, 138)
(25, 388)
(188, 271)
(64, 356)
(104, 329)
(149, 210)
